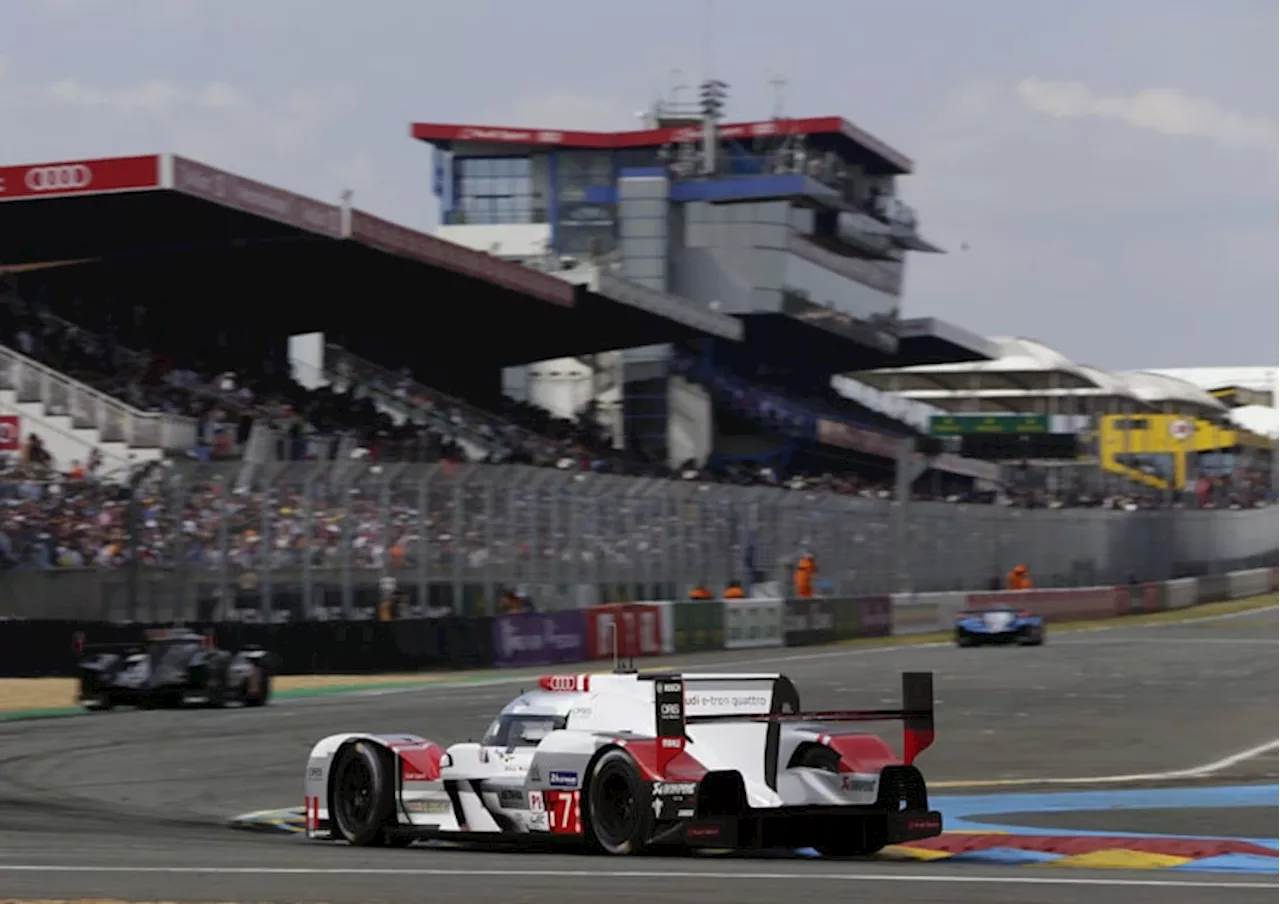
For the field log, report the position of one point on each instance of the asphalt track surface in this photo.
(133, 805)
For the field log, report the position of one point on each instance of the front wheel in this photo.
(619, 805)
(362, 796)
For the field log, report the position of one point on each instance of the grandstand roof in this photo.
(1028, 376)
(1019, 364)
(1234, 386)
(854, 142)
(1161, 391)
(130, 213)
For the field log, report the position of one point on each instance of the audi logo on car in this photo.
(66, 177)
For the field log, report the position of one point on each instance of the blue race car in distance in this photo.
(999, 625)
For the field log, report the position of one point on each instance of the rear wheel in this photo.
(257, 687)
(619, 805)
(362, 796)
(95, 694)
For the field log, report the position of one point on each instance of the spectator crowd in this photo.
(74, 514)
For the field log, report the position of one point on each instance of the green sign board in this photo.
(699, 625)
(989, 424)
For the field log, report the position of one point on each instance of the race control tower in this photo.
(792, 225)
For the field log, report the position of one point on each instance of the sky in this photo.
(1102, 173)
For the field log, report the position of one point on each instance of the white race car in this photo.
(623, 762)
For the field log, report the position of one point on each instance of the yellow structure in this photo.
(1164, 450)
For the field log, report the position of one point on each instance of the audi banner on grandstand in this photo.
(10, 433)
(539, 639)
(42, 180)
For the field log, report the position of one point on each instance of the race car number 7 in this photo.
(562, 807)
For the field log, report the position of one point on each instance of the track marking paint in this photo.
(666, 875)
(1203, 771)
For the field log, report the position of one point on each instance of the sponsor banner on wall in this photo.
(637, 628)
(699, 625)
(921, 613)
(1211, 588)
(753, 623)
(10, 433)
(807, 622)
(539, 638)
(1057, 605)
(875, 616)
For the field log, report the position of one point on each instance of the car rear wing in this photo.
(916, 715)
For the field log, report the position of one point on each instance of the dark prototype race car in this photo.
(999, 625)
(171, 668)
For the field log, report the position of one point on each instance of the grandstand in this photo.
(246, 389)
(1208, 431)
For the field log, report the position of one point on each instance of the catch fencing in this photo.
(327, 539)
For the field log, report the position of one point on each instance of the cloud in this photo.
(154, 96)
(1166, 111)
(1073, 226)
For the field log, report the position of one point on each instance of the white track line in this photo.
(663, 875)
(1194, 772)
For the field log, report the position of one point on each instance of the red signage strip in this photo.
(10, 433)
(252, 197)
(638, 629)
(428, 249)
(769, 128)
(856, 439)
(79, 177)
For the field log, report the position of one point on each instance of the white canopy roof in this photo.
(1030, 377)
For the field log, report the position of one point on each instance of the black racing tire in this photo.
(210, 680)
(94, 696)
(964, 642)
(618, 805)
(257, 687)
(362, 794)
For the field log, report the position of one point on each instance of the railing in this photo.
(141, 361)
(322, 536)
(114, 420)
(484, 429)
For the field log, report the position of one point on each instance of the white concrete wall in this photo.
(690, 421)
(66, 443)
(507, 240)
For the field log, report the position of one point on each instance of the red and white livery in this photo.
(624, 762)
